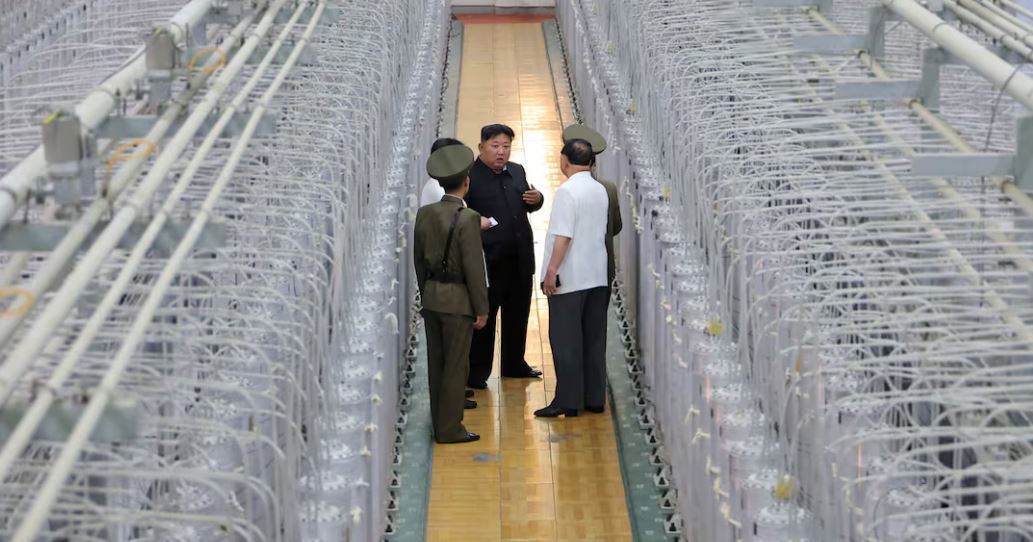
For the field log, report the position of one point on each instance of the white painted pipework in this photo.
(22, 357)
(57, 260)
(91, 414)
(1002, 74)
(35, 414)
(92, 111)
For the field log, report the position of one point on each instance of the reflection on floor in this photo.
(527, 479)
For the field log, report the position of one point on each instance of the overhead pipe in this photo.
(1017, 8)
(995, 300)
(42, 402)
(21, 358)
(1005, 184)
(55, 265)
(92, 111)
(1002, 74)
(977, 16)
(64, 463)
(1016, 27)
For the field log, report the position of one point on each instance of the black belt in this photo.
(446, 278)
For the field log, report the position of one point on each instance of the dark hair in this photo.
(452, 184)
(493, 130)
(579, 152)
(444, 142)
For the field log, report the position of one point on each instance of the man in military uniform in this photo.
(453, 287)
(613, 226)
(613, 222)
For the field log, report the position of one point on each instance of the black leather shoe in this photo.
(468, 394)
(469, 404)
(595, 409)
(555, 412)
(469, 437)
(528, 372)
(477, 385)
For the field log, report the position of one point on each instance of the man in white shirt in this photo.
(432, 191)
(574, 278)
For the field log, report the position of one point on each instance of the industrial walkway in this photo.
(527, 479)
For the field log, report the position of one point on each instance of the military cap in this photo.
(450, 163)
(580, 131)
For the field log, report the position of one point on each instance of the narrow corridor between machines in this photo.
(528, 478)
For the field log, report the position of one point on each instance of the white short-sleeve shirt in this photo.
(432, 193)
(579, 211)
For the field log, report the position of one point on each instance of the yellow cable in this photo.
(192, 65)
(50, 119)
(19, 310)
(120, 155)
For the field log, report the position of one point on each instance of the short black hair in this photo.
(579, 152)
(444, 142)
(493, 130)
(452, 184)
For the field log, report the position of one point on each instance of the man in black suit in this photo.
(499, 192)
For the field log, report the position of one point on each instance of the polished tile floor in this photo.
(527, 479)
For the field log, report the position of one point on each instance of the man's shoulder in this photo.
(597, 191)
(436, 208)
(427, 210)
(478, 169)
(586, 184)
(566, 189)
(514, 168)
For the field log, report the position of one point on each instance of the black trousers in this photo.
(577, 331)
(509, 290)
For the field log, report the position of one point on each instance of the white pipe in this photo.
(28, 423)
(190, 15)
(92, 111)
(68, 247)
(957, 257)
(1005, 20)
(12, 368)
(1005, 184)
(55, 480)
(968, 50)
(56, 263)
(12, 270)
(1019, 8)
(978, 16)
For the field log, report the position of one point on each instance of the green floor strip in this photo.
(412, 496)
(410, 521)
(643, 496)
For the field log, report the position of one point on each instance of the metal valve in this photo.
(162, 56)
(69, 155)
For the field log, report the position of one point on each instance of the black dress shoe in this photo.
(468, 394)
(595, 409)
(469, 437)
(529, 372)
(477, 385)
(469, 404)
(555, 412)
